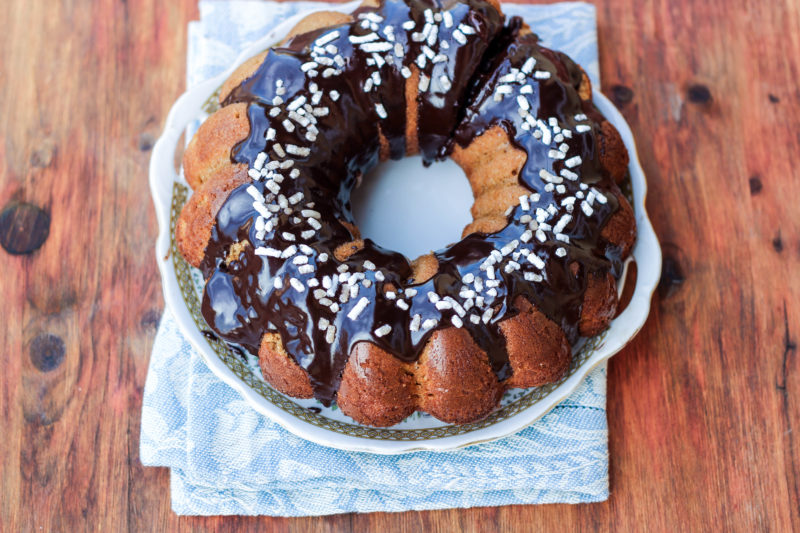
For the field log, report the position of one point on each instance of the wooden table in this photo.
(703, 405)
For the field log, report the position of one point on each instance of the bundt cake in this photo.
(337, 317)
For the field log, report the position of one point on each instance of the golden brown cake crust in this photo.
(452, 379)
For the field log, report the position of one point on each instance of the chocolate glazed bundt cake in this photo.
(337, 317)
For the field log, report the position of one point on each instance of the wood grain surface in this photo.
(703, 405)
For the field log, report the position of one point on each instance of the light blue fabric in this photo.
(228, 459)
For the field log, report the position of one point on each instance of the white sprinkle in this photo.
(570, 175)
(269, 252)
(295, 283)
(257, 196)
(523, 102)
(300, 260)
(448, 19)
(441, 305)
(541, 75)
(561, 252)
(402, 305)
(409, 25)
(305, 67)
(459, 36)
(487, 315)
(380, 110)
(456, 321)
(297, 150)
(573, 161)
(358, 39)
(424, 81)
(334, 95)
(379, 276)
(475, 319)
(429, 323)
(330, 334)
(274, 187)
(277, 282)
(532, 276)
(376, 47)
(582, 128)
(527, 68)
(548, 177)
(289, 252)
(468, 278)
(261, 158)
(432, 35)
(445, 82)
(314, 224)
(562, 223)
(560, 189)
(390, 295)
(308, 234)
(328, 37)
(466, 29)
(369, 265)
(411, 292)
(587, 209)
(580, 116)
(414, 326)
(296, 198)
(405, 72)
(383, 330)
(275, 111)
(306, 269)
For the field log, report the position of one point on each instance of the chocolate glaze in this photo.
(240, 301)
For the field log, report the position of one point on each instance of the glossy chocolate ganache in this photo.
(323, 109)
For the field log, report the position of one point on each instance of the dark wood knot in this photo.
(47, 351)
(622, 95)
(23, 228)
(777, 243)
(671, 276)
(146, 142)
(755, 185)
(699, 94)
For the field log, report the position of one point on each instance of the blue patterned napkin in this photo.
(225, 458)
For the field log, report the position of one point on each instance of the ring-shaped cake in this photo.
(332, 315)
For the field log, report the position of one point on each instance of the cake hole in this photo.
(412, 209)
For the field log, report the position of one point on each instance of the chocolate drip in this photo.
(249, 292)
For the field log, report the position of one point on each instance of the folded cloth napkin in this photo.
(225, 458)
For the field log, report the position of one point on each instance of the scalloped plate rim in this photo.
(622, 330)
